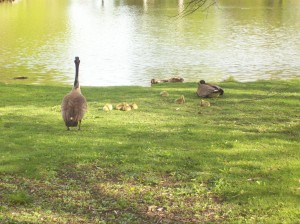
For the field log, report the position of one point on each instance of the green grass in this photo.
(234, 162)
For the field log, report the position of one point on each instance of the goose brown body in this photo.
(74, 104)
(209, 90)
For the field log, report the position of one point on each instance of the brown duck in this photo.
(208, 90)
(74, 103)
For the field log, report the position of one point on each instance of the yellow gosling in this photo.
(180, 100)
(119, 106)
(164, 93)
(134, 106)
(107, 107)
(126, 107)
(204, 103)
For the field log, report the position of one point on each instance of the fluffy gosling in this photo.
(125, 106)
(134, 106)
(107, 107)
(164, 93)
(204, 103)
(180, 100)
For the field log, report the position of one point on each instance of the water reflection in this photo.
(129, 42)
(145, 5)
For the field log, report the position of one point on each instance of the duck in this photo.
(180, 100)
(209, 90)
(204, 103)
(164, 93)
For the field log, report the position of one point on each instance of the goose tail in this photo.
(221, 91)
(71, 122)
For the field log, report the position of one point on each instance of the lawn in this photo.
(236, 161)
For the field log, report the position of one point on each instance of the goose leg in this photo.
(79, 124)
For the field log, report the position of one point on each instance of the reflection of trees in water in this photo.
(185, 7)
(194, 5)
(154, 3)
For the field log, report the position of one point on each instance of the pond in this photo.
(129, 42)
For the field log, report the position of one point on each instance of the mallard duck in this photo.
(180, 100)
(134, 106)
(164, 93)
(208, 90)
(107, 107)
(204, 103)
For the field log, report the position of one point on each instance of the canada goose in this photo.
(164, 93)
(74, 103)
(176, 79)
(155, 81)
(173, 79)
(208, 90)
(180, 100)
(204, 103)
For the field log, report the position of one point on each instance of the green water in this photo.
(130, 42)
